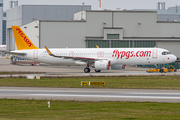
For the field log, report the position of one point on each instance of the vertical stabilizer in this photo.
(22, 41)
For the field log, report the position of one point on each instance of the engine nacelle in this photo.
(102, 65)
(117, 67)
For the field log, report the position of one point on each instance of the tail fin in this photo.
(22, 41)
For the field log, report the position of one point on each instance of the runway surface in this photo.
(81, 94)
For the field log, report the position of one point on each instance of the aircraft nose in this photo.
(174, 58)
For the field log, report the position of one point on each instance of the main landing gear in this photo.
(97, 71)
(87, 69)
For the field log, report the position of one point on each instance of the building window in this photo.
(146, 44)
(4, 14)
(121, 43)
(113, 36)
(1, 4)
(4, 32)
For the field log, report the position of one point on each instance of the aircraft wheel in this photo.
(97, 71)
(161, 70)
(87, 70)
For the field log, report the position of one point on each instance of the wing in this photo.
(85, 59)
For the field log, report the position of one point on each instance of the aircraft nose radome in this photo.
(174, 58)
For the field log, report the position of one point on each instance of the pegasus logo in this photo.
(24, 37)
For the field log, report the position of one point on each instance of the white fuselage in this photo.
(2, 48)
(126, 56)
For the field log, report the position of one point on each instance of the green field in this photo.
(74, 110)
(150, 82)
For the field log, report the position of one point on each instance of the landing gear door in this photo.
(35, 54)
(154, 54)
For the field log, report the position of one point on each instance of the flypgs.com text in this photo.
(128, 54)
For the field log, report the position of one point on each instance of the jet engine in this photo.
(117, 66)
(102, 65)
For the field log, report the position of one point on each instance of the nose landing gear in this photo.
(87, 70)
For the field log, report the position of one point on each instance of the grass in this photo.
(84, 110)
(150, 82)
(65, 110)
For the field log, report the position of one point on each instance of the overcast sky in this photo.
(106, 4)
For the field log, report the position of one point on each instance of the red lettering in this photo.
(147, 53)
(18, 30)
(30, 44)
(141, 54)
(24, 37)
(123, 53)
(137, 54)
(21, 34)
(117, 54)
(127, 54)
(113, 55)
(132, 54)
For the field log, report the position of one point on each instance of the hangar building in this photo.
(21, 15)
(170, 14)
(2, 23)
(107, 29)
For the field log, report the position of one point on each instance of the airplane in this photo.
(97, 58)
(2, 48)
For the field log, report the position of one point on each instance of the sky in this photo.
(106, 4)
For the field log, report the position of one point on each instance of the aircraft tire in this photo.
(87, 70)
(161, 70)
(97, 71)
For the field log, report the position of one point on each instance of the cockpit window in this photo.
(166, 53)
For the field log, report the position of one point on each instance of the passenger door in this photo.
(35, 54)
(154, 54)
